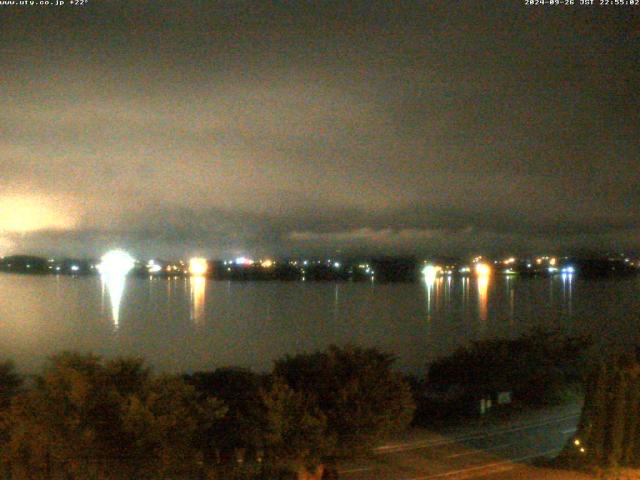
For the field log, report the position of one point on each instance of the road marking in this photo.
(500, 465)
(482, 450)
(570, 430)
(401, 447)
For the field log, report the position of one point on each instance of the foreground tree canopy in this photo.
(536, 367)
(608, 434)
(86, 417)
(355, 388)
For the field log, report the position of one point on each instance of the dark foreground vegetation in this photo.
(537, 369)
(608, 435)
(87, 418)
(84, 417)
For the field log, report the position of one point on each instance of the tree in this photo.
(295, 437)
(10, 383)
(536, 367)
(243, 427)
(355, 388)
(164, 423)
(86, 418)
(617, 420)
(608, 428)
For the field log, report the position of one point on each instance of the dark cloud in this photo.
(225, 127)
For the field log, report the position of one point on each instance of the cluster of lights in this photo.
(243, 261)
(153, 267)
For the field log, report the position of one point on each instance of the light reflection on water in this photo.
(198, 287)
(171, 323)
(115, 284)
(483, 295)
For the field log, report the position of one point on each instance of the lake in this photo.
(186, 324)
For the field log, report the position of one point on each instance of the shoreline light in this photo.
(198, 266)
(243, 261)
(430, 272)
(116, 262)
(153, 267)
(483, 269)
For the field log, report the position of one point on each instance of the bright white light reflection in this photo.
(115, 286)
(113, 268)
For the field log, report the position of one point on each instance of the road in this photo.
(495, 450)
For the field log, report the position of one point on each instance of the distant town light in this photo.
(116, 262)
(75, 268)
(153, 267)
(430, 272)
(198, 266)
(243, 261)
(336, 264)
(267, 263)
(483, 269)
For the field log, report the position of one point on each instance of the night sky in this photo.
(226, 128)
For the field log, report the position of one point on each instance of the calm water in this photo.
(188, 324)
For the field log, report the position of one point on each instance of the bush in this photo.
(86, 418)
(609, 427)
(243, 428)
(355, 388)
(536, 367)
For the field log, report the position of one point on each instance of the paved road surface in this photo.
(488, 449)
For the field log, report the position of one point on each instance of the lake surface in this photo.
(187, 324)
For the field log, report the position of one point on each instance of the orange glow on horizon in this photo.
(30, 213)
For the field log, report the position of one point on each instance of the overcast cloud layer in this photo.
(222, 128)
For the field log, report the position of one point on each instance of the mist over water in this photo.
(187, 324)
